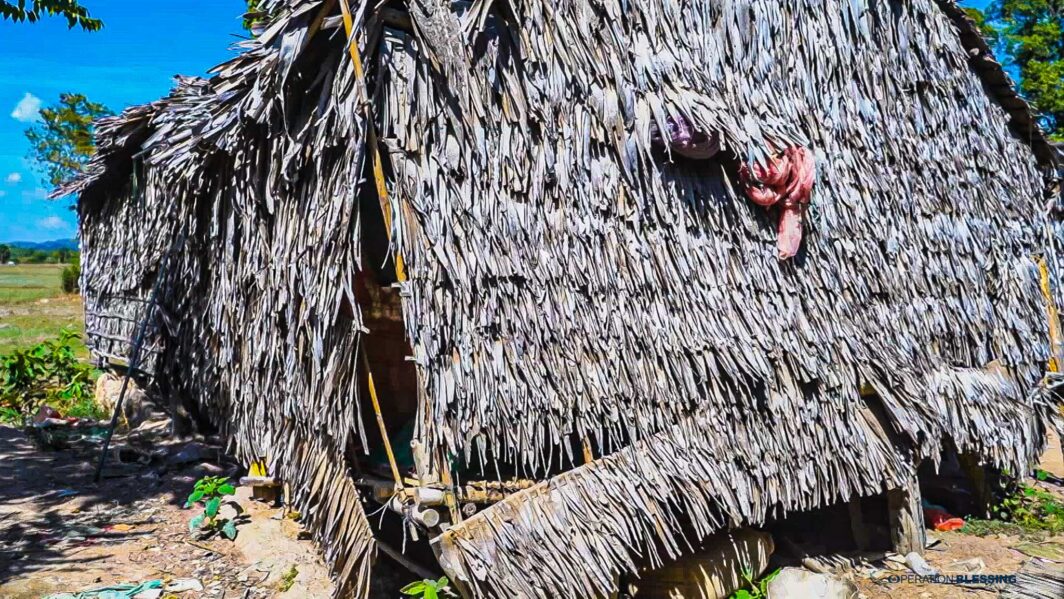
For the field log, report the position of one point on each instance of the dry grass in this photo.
(33, 307)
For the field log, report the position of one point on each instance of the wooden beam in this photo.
(907, 532)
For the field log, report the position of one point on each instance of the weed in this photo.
(210, 491)
(429, 589)
(985, 528)
(757, 589)
(1024, 511)
(288, 579)
(1032, 508)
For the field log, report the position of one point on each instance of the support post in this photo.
(976, 474)
(857, 524)
(907, 532)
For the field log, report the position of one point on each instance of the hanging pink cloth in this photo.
(786, 181)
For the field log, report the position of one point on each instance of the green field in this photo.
(33, 307)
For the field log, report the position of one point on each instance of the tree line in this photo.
(10, 254)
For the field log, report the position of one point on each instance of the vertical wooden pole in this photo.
(589, 456)
(907, 532)
(857, 524)
(976, 474)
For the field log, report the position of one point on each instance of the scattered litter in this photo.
(974, 565)
(1036, 581)
(118, 591)
(939, 519)
(918, 565)
(184, 584)
(935, 543)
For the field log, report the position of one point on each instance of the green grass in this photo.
(33, 307)
(29, 283)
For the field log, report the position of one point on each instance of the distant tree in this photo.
(62, 143)
(72, 10)
(70, 277)
(62, 255)
(993, 37)
(255, 15)
(1031, 33)
(5, 254)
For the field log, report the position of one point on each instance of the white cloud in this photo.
(28, 109)
(51, 223)
(14, 178)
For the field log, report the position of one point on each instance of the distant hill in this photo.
(47, 246)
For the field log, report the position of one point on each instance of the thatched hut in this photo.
(537, 223)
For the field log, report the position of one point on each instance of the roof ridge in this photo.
(1022, 118)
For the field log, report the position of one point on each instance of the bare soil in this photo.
(60, 532)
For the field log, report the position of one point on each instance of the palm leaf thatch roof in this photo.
(568, 278)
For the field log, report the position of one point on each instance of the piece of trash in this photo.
(118, 591)
(181, 585)
(46, 412)
(917, 564)
(939, 519)
(974, 565)
(119, 528)
(65, 493)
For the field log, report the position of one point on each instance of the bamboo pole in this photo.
(371, 128)
(1055, 349)
(380, 422)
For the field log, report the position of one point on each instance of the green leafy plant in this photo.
(210, 491)
(1032, 508)
(756, 589)
(288, 579)
(429, 589)
(47, 373)
(1028, 35)
(75, 14)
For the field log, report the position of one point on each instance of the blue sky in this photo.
(143, 44)
(131, 61)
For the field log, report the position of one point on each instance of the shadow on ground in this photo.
(54, 518)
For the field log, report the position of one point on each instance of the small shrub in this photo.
(47, 373)
(70, 276)
(1033, 509)
(1024, 511)
(210, 491)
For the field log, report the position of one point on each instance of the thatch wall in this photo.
(569, 279)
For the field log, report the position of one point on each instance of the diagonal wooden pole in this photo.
(135, 353)
(371, 128)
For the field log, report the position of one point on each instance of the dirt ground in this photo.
(60, 532)
(960, 553)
